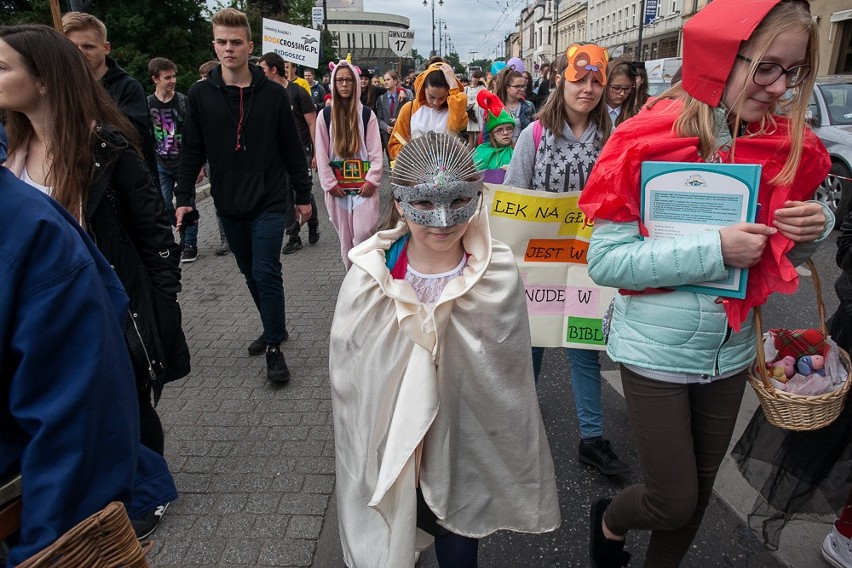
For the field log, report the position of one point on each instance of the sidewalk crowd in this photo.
(438, 439)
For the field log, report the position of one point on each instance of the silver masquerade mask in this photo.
(436, 182)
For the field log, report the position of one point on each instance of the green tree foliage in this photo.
(138, 31)
(328, 53)
(485, 64)
(25, 12)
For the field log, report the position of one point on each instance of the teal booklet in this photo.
(680, 199)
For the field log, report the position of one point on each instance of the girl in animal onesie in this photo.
(439, 105)
(349, 153)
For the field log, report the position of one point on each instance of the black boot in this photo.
(598, 453)
(603, 552)
(276, 367)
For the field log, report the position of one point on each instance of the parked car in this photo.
(830, 117)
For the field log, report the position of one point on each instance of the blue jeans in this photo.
(256, 244)
(586, 385)
(168, 180)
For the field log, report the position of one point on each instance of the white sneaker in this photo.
(837, 549)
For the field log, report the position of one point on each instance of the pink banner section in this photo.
(546, 300)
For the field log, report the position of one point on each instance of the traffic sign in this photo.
(401, 42)
(317, 16)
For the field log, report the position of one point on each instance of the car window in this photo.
(813, 107)
(655, 89)
(838, 99)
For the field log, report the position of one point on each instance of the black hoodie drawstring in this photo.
(240, 123)
(244, 113)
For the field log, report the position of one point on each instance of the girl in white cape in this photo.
(437, 423)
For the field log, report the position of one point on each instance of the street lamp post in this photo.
(641, 26)
(426, 3)
(443, 39)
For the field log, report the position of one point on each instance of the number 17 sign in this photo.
(401, 42)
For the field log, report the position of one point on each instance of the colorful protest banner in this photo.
(550, 237)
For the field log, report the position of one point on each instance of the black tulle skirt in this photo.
(797, 473)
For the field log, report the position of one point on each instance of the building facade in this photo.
(364, 35)
(536, 33)
(615, 24)
(834, 19)
(547, 27)
(512, 46)
(570, 26)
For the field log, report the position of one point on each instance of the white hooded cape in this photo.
(456, 382)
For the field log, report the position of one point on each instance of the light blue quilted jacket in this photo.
(679, 332)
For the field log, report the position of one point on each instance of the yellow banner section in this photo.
(545, 209)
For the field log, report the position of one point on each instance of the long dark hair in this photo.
(624, 68)
(76, 102)
(501, 83)
(528, 90)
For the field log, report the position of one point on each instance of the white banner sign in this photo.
(293, 43)
(317, 16)
(401, 42)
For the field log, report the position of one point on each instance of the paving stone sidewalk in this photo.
(254, 463)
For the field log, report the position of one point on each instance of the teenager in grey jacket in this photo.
(557, 154)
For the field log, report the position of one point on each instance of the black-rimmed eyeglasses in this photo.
(767, 72)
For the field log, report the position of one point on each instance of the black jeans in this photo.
(313, 222)
(256, 244)
(150, 426)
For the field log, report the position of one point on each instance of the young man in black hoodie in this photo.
(89, 34)
(241, 123)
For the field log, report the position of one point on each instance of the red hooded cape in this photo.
(613, 189)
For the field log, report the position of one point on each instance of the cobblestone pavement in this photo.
(254, 464)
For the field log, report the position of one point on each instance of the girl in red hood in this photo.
(684, 356)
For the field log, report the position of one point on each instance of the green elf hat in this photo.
(495, 113)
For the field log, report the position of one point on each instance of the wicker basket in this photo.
(796, 411)
(104, 540)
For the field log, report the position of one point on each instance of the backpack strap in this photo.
(326, 116)
(365, 117)
(181, 104)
